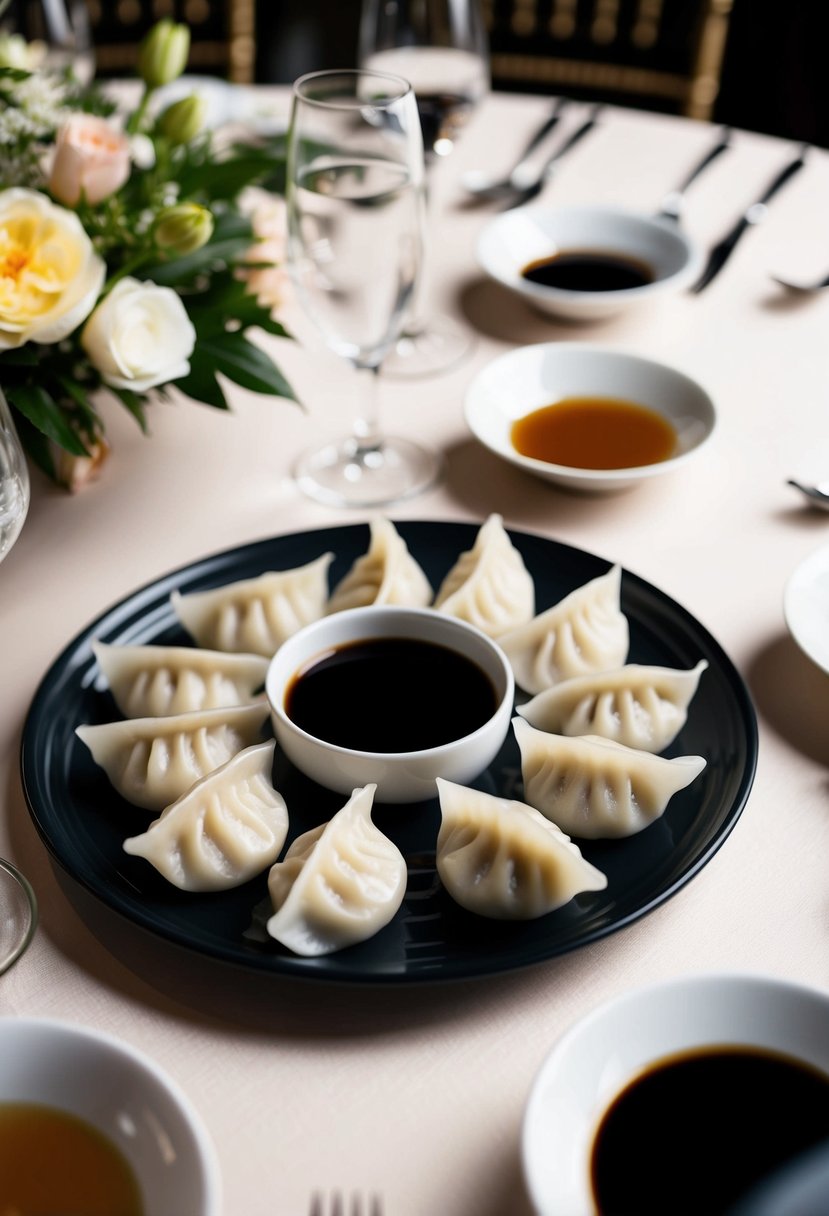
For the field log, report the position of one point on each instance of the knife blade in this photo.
(753, 215)
(529, 192)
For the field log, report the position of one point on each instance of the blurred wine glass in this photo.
(57, 33)
(441, 48)
(18, 908)
(14, 481)
(354, 196)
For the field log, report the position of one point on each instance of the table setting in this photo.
(327, 971)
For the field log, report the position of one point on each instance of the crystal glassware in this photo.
(441, 48)
(354, 195)
(57, 32)
(14, 481)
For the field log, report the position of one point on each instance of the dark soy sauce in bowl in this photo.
(588, 270)
(390, 695)
(696, 1131)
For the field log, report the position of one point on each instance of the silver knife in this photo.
(753, 215)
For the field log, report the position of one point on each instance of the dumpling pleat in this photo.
(385, 574)
(489, 586)
(585, 632)
(227, 828)
(153, 761)
(338, 884)
(593, 787)
(504, 860)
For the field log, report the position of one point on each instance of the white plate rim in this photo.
(805, 627)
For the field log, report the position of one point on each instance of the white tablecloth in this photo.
(418, 1092)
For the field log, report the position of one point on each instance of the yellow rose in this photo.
(50, 275)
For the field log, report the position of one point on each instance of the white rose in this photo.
(139, 336)
(50, 274)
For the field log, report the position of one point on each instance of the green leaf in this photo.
(225, 248)
(78, 394)
(134, 404)
(245, 364)
(22, 356)
(228, 299)
(223, 179)
(44, 412)
(201, 384)
(36, 445)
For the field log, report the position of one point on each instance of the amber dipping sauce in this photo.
(594, 433)
(695, 1132)
(588, 270)
(390, 695)
(52, 1162)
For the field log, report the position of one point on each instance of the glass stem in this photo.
(416, 321)
(367, 437)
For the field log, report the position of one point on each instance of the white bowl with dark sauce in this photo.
(587, 263)
(394, 696)
(678, 1097)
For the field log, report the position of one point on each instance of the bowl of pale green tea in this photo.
(88, 1124)
(587, 417)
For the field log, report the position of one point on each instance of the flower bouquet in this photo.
(128, 254)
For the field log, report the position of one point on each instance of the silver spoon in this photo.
(817, 495)
(802, 288)
(483, 185)
(517, 198)
(673, 203)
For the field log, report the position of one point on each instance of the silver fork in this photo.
(337, 1204)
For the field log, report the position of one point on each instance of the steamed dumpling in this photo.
(503, 859)
(489, 586)
(154, 681)
(153, 761)
(639, 706)
(255, 616)
(585, 632)
(229, 827)
(338, 884)
(385, 574)
(592, 787)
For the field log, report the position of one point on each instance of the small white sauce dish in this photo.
(515, 239)
(123, 1095)
(602, 1053)
(530, 377)
(399, 776)
(806, 606)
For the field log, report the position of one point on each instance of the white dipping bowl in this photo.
(599, 1056)
(530, 377)
(400, 776)
(516, 238)
(123, 1095)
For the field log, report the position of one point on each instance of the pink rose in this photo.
(91, 159)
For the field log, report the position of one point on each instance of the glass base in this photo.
(436, 348)
(18, 914)
(346, 474)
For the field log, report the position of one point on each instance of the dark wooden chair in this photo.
(654, 54)
(222, 34)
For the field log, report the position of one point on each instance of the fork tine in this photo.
(336, 1205)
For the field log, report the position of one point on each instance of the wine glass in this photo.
(14, 481)
(441, 48)
(18, 909)
(354, 195)
(57, 32)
